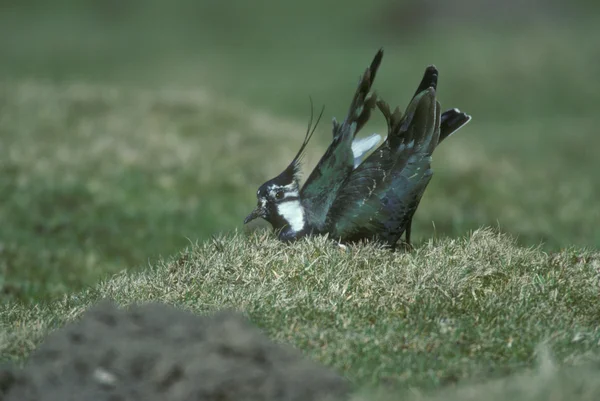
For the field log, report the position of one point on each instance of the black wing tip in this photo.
(364, 99)
(378, 56)
(429, 80)
(375, 65)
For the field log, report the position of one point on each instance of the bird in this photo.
(358, 190)
(296, 212)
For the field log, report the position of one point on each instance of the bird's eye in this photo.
(279, 194)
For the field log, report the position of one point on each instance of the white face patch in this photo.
(289, 191)
(293, 213)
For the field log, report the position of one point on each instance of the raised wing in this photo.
(396, 203)
(380, 197)
(323, 184)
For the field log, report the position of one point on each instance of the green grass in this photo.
(453, 310)
(546, 382)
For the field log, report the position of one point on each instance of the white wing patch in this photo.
(293, 213)
(362, 146)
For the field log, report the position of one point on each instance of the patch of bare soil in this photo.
(156, 352)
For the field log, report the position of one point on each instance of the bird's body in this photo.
(354, 198)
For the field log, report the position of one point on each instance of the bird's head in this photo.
(279, 200)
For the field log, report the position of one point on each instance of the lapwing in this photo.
(352, 197)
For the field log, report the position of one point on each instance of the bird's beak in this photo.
(256, 213)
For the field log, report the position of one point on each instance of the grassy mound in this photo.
(452, 310)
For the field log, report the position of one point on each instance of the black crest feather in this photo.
(296, 164)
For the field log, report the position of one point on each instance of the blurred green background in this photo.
(129, 128)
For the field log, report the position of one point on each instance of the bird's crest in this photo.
(294, 168)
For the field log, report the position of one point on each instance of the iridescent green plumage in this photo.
(379, 199)
(321, 187)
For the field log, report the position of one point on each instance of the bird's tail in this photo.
(429, 80)
(452, 120)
